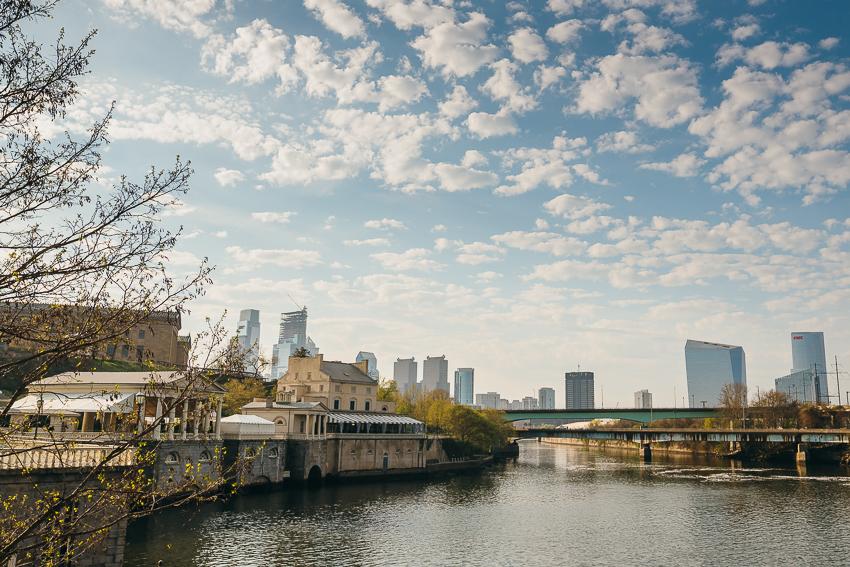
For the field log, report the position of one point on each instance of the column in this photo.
(218, 419)
(802, 452)
(196, 419)
(143, 407)
(645, 452)
(157, 432)
(184, 420)
(172, 413)
(206, 422)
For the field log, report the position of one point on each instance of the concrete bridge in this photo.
(643, 437)
(640, 415)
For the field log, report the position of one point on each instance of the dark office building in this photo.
(579, 390)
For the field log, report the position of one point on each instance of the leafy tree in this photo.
(777, 409)
(471, 429)
(387, 390)
(417, 403)
(301, 352)
(732, 403)
(497, 418)
(240, 391)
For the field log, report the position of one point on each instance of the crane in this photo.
(296, 303)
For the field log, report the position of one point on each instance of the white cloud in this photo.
(592, 224)
(228, 176)
(685, 165)
(284, 258)
(171, 14)
(572, 207)
(439, 228)
(337, 17)
(679, 11)
(459, 178)
(487, 276)
(180, 258)
(478, 253)
(563, 7)
(545, 76)
(252, 55)
(174, 207)
(768, 55)
(541, 224)
(273, 217)
(220, 234)
(527, 46)
(565, 32)
(547, 242)
(413, 259)
(486, 125)
(743, 32)
(622, 142)
(384, 224)
(541, 166)
(458, 49)
(503, 86)
(473, 157)
(458, 103)
(368, 242)
(829, 43)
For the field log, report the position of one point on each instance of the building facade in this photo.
(580, 390)
(488, 400)
(709, 367)
(808, 353)
(465, 386)
(404, 373)
(435, 373)
(292, 336)
(248, 337)
(801, 386)
(337, 385)
(643, 399)
(546, 398)
(529, 403)
(373, 362)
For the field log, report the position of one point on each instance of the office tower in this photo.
(292, 336)
(800, 386)
(808, 353)
(515, 405)
(529, 402)
(404, 373)
(709, 367)
(488, 400)
(248, 337)
(464, 386)
(643, 399)
(435, 373)
(373, 362)
(579, 390)
(546, 397)
(504, 404)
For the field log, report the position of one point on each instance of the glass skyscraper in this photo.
(800, 386)
(464, 386)
(579, 390)
(808, 353)
(709, 367)
(546, 397)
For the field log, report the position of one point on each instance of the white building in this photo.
(515, 405)
(643, 399)
(435, 373)
(546, 398)
(404, 373)
(488, 400)
(529, 403)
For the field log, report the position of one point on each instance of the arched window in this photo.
(273, 453)
(384, 408)
(369, 452)
(249, 452)
(172, 458)
(409, 451)
(353, 452)
(280, 421)
(398, 451)
(205, 457)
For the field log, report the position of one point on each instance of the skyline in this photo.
(516, 187)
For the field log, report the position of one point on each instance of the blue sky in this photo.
(524, 188)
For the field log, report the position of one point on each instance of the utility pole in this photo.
(837, 383)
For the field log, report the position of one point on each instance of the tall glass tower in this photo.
(808, 353)
(580, 390)
(709, 367)
(464, 386)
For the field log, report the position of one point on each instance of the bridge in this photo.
(640, 415)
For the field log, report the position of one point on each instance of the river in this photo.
(554, 505)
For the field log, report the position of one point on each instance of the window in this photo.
(353, 452)
(140, 352)
(309, 376)
(336, 404)
(353, 389)
(337, 389)
(309, 387)
(369, 452)
(368, 390)
(368, 405)
(351, 405)
(296, 376)
(127, 333)
(408, 451)
(172, 458)
(205, 457)
(249, 452)
(384, 408)
(110, 350)
(273, 453)
(321, 387)
(141, 334)
(125, 350)
(398, 451)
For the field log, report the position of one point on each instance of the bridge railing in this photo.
(62, 457)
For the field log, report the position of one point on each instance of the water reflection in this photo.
(554, 505)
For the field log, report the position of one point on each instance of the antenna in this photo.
(295, 302)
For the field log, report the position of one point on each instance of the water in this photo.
(556, 505)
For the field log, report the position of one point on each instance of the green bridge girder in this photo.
(640, 415)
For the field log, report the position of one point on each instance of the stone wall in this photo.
(267, 460)
(174, 456)
(302, 456)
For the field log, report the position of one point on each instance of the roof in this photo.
(365, 354)
(112, 379)
(283, 405)
(57, 403)
(240, 418)
(692, 344)
(391, 419)
(346, 372)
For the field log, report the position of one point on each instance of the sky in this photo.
(527, 188)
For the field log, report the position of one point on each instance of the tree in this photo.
(777, 409)
(301, 352)
(387, 390)
(240, 392)
(497, 418)
(78, 268)
(733, 402)
(471, 429)
(417, 403)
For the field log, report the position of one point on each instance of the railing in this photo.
(376, 436)
(109, 436)
(60, 456)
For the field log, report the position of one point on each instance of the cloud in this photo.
(253, 258)
(563, 7)
(439, 228)
(527, 47)
(473, 157)
(503, 86)
(487, 276)
(541, 224)
(413, 259)
(174, 207)
(176, 15)
(829, 43)
(478, 253)
(622, 142)
(685, 165)
(768, 55)
(486, 125)
(252, 55)
(458, 103)
(459, 178)
(457, 49)
(273, 217)
(368, 242)
(743, 32)
(565, 32)
(228, 176)
(384, 224)
(547, 242)
(572, 207)
(337, 17)
(549, 166)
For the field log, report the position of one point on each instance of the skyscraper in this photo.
(643, 399)
(248, 337)
(404, 373)
(435, 373)
(529, 402)
(488, 400)
(546, 397)
(579, 390)
(292, 336)
(373, 362)
(808, 353)
(464, 386)
(710, 366)
(800, 385)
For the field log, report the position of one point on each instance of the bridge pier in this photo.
(802, 452)
(645, 452)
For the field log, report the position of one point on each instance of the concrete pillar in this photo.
(196, 419)
(88, 421)
(218, 420)
(143, 408)
(184, 420)
(645, 452)
(802, 452)
(157, 432)
(207, 421)
(171, 415)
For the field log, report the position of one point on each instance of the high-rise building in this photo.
(435, 373)
(529, 402)
(373, 362)
(464, 386)
(709, 367)
(488, 400)
(808, 353)
(504, 404)
(292, 336)
(546, 397)
(248, 337)
(580, 390)
(643, 399)
(515, 405)
(404, 373)
(800, 386)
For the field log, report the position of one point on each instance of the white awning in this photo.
(390, 419)
(80, 403)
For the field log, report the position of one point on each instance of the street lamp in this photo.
(40, 405)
